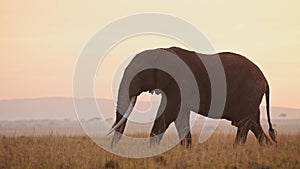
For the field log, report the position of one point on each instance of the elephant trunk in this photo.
(128, 92)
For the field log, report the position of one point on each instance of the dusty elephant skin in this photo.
(246, 86)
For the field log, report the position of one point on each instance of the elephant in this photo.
(245, 87)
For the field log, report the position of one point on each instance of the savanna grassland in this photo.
(80, 152)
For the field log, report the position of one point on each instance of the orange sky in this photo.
(40, 41)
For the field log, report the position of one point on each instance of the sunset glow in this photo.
(40, 42)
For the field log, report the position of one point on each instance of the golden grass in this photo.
(80, 152)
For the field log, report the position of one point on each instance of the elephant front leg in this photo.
(187, 141)
(158, 130)
(182, 124)
(167, 112)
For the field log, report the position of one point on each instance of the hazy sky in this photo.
(40, 41)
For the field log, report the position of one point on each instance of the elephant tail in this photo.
(272, 132)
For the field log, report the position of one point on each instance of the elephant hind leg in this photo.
(241, 135)
(256, 128)
(259, 133)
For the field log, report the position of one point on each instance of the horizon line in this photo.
(99, 98)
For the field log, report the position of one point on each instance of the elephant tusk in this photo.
(127, 113)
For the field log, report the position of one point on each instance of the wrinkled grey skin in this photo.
(246, 86)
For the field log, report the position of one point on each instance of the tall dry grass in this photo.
(55, 152)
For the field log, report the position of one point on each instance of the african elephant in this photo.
(245, 84)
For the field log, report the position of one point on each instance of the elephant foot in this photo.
(268, 141)
(264, 140)
(115, 140)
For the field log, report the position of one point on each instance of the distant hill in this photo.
(62, 108)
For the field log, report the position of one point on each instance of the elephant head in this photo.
(148, 71)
